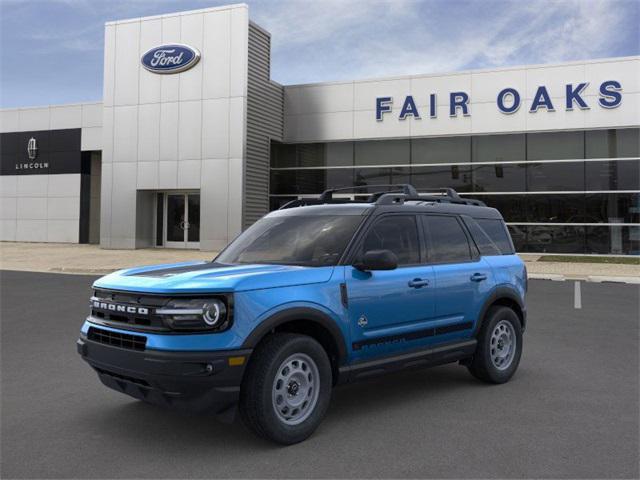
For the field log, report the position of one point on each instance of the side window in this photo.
(447, 241)
(483, 241)
(497, 232)
(397, 233)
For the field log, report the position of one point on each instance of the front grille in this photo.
(116, 339)
(135, 319)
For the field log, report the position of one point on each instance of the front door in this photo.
(182, 220)
(391, 310)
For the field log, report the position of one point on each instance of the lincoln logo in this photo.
(32, 149)
(170, 58)
(113, 307)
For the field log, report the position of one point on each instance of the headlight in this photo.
(195, 314)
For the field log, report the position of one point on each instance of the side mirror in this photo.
(377, 260)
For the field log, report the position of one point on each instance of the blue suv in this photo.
(321, 292)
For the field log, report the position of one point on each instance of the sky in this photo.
(51, 51)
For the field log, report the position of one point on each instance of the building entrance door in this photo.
(182, 220)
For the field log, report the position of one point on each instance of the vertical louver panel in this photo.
(265, 120)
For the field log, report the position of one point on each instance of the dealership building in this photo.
(193, 142)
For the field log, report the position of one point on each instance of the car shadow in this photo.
(146, 424)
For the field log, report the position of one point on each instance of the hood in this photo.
(208, 277)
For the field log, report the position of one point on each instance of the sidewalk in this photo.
(90, 259)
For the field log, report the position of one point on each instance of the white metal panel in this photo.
(485, 86)
(487, 118)
(32, 208)
(9, 120)
(169, 131)
(125, 134)
(31, 230)
(190, 130)
(214, 203)
(34, 119)
(234, 220)
(559, 119)
(443, 124)
(8, 208)
(8, 185)
(239, 51)
(626, 72)
(554, 78)
(170, 84)
(168, 174)
(216, 54)
(189, 174)
(441, 85)
(63, 185)
(366, 126)
(365, 93)
(147, 177)
(63, 208)
(123, 224)
(63, 231)
(149, 132)
(8, 230)
(91, 138)
(32, 185)
(65, 116)
(337, 97)
(627, 114)
(149, 83)
(127, 63)
(191, 80)
(109, 68)
(215, 128)
(91, 115)
(237, 126)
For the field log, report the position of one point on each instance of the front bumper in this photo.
(195, 381)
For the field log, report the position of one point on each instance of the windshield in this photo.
(314, 240)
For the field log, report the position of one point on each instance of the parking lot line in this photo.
(577, 295)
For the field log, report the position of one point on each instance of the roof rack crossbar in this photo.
(406, 188)
(404, 192)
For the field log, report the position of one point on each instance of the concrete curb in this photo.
(586, 278)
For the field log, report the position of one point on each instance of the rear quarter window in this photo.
(498, 233)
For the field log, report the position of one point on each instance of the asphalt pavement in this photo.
(570, 411)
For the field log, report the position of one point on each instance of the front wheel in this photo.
(287, 388)
(499, 346)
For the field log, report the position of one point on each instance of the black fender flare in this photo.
(499, 293)
(298, 313)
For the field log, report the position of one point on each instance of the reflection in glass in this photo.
(499, 178)
(175, 218)
(441, 150)
(499, 148)
(194, 217)
(612, 208)
(544, 177)
(613, 240)
(548, 238)
(432, 178)
(555, 145)
(613, 175)
(612, 143)
(382, 152)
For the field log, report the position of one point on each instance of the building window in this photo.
(440, 150)
(549, 177)
(382, 152)
(555, 145)
(613, 143)
(499, 148)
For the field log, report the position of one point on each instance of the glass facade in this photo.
(560, 192)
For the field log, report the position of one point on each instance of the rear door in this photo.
(390, 309)
(463, 279)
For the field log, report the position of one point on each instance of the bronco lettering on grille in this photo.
(113, 307)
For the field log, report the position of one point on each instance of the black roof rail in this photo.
(406, 188)
(405, 192)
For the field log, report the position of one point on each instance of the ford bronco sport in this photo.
(321, 292)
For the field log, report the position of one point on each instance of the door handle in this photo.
(478, 277)
(418, 282)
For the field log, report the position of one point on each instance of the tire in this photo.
(500, 330)
(287, 372)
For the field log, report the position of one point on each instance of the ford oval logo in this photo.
(172, 58)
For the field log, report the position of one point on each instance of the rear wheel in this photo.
(287, 388)
(499, 346)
